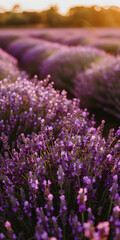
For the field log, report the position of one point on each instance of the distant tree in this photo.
(54, 8)
(16, 8)
(51, 17)
(34, 17)
(80, 16)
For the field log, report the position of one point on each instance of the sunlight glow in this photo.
(63, 5)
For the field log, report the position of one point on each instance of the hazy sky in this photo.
(63, 5)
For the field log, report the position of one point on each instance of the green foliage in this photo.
(17, 19)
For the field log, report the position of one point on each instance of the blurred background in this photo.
(60, 13)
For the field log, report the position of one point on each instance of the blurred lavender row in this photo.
(84, 71)
(106, 39)
(9, 67)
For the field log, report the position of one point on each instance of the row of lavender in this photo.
(105, 39)
(59, 178)
(8, 66)
(86, 73)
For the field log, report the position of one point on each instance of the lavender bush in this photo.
(59, 177)
(33, 58)
(49, 36)
(65, 35)
(77, 40)
(6, 39)
(8, 66)
(61, 188)
(7, 58)
(65, 64)
(24, 103)
(19, 46)
(99, 86)
(109, 45)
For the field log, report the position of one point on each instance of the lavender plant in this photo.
(77, 41)
(46, 183)
(33, 58)
(65, 64)
(6, 38)
(24, 103)
(18, 47)
(59, 177)
(98, 87)
(8, 66)
(109, 45)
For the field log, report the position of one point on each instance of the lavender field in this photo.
(60, 134)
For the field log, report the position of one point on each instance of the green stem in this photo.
(109, 210)
(82, 217)
(64, 237)
(78, 181)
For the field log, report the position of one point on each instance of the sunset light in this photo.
(63, 5)
(59, 119)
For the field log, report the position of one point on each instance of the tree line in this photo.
(76, 17)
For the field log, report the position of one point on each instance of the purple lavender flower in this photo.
(63, 209)
(81, 199)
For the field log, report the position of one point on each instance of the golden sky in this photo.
(63, 5)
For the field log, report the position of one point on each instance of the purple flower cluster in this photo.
(33, 194)
(59, 178)
(25, 105)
